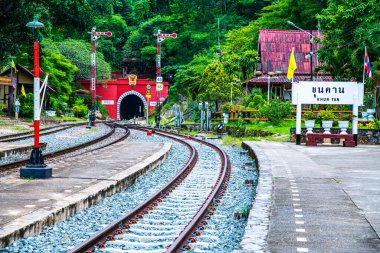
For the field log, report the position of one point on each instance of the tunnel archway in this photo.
(131, 104)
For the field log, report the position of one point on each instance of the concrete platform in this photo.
(78, 182)
(323, 199)
(12, 148)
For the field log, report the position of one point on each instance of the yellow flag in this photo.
(13, 65)
(23, 90)
(292, 66)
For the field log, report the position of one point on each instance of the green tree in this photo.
(110, 47)
(348, 27)
(60, 69)
(276, 111)
(79, 53)
(188, 77)
(216, 85)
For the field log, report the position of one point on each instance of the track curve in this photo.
(124, 233)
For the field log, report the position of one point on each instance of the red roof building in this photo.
(274, 48)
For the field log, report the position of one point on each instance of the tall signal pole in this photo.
(94, 36)
(159, 86)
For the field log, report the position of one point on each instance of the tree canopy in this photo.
(204, 58)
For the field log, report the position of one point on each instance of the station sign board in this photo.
(5, 81)
(339, 93)
(108, 102)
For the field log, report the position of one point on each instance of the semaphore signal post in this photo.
(159, 86)
(94, 36)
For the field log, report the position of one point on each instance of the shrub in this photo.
(257, 101)
(276, 111)
(80, 110)
(103, 110)
(347, 116)
(27, 105)
(309, 115)
(226, 108)
(326, 115)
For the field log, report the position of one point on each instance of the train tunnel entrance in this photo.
(131, 106)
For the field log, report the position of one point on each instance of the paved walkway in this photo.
(78, 182)
(324, 199)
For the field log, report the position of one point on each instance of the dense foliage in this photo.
(203, 60)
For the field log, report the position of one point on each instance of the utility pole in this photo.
(219, 48)
(11, 96)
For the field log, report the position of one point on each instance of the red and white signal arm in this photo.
(108, 34)
(132, 80)
(162, 36)
(172, 35)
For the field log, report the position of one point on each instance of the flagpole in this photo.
(365, 51)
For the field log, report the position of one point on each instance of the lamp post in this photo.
(311, 53)
(269, 77)
(36, 168)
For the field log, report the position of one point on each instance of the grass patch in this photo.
(283, 128)
(21, 129)
(189, 132)
(229, 140)
(67, 118)
(93, 129)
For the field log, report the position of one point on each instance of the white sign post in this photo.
(339, 93)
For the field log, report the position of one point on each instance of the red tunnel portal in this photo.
(124, 101)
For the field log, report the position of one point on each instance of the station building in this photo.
(274, 49)
(11, 82)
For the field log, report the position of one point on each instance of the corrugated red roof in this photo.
(282, 79)
(276, 46)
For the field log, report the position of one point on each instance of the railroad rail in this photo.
(43, 131)
(191, 230)
(55, 154)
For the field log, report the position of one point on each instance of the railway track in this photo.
(43, 131)
(173, 218)
(84, 147)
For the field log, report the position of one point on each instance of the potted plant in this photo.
(370, 113)
(344, 122)
(327, 117)
(309, 121)
(226, 112)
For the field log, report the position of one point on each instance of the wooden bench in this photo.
(312, 138)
